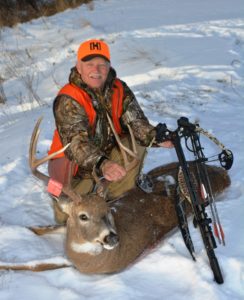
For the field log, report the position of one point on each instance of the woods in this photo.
(18, 11)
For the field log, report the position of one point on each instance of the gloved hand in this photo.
(162, 136)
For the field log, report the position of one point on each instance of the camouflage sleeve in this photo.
(73, 127)
(133, 114)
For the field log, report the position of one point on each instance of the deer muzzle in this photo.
(110, 241)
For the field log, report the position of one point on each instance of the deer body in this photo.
(141, 221)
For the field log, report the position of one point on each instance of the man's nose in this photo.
(96, 68)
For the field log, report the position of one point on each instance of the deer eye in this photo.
(83, 217)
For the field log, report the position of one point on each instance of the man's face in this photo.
(94, 72)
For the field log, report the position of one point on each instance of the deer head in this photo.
(90, 224)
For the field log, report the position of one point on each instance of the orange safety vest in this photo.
(85, 101)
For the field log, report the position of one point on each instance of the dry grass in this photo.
(3, 97)
(18, 11)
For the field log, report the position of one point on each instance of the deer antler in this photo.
(129, 165)
(34, 163)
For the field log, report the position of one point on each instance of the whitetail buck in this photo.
(106, 237)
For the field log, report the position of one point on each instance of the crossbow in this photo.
(188, 183)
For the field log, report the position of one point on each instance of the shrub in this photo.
(18, 11)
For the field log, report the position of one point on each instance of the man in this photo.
(80, 115)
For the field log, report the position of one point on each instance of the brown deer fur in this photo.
(141, 220)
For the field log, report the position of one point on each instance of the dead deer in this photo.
(107, 237)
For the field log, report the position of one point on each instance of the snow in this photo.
(181, 58)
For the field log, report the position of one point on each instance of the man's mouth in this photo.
(95, 76)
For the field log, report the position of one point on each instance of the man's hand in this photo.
(112, 171)
(161, 136)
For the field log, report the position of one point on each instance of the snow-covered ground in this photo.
(181, 58)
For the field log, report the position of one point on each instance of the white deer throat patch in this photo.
(89, 248)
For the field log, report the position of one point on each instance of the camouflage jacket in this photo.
(72, 123)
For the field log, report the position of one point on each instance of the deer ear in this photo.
(64, 203)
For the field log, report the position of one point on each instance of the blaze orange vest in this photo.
(85, 101)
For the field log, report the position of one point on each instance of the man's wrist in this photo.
(100, 162)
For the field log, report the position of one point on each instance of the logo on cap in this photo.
(95, 46)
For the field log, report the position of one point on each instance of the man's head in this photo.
(93, 63)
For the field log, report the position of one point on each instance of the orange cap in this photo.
(93, 48)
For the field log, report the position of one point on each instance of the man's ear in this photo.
(78, 66)
(64, 203)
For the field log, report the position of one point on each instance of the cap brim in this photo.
(89, 57)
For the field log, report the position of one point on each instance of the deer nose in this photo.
(111, 239)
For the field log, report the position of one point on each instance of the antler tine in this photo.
(33, 161)
(124, 150)
(33, 143)
(131, 165)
